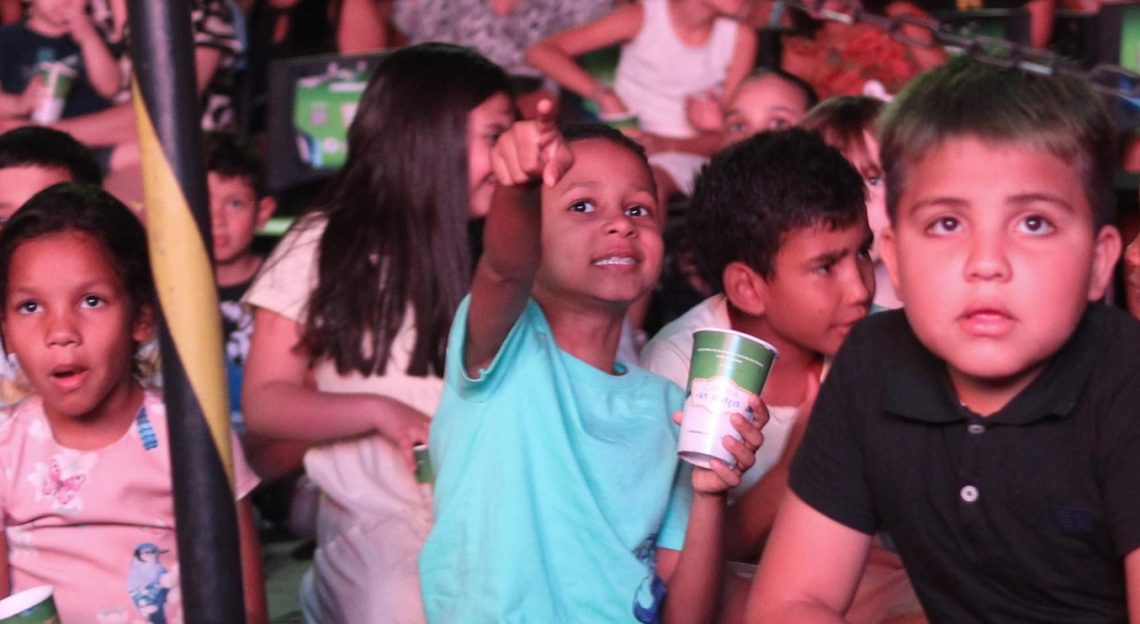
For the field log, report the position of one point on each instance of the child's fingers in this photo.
(743, 451)
(558, 163)
(728, 476)
(677, 416)
(759, 410)
(545, 116)
(749, 429)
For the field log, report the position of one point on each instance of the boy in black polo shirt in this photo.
(993, 427)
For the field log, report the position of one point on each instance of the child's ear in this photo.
(888, 251)
(746, 290)
(1106, 251)
(266, 206)
(143, 327)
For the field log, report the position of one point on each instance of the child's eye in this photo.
(638, 210)
(944, 225)
(27, 307)
(823, 269)
(1035, 224)
(874, 181)
(92, 301)
(736, 127)
(583, 205)
(778, 124)
(236, 204)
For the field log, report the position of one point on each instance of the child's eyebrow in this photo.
(1033, 198)
(586, 184)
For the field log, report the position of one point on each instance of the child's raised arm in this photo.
(102, 70)
(554, 56)
(530, 153)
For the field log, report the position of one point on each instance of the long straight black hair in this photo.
(397, 213)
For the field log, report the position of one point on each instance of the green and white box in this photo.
(726, 370)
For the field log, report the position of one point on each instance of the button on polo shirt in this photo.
(1021, 516)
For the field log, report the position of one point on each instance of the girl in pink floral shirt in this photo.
(85, 489)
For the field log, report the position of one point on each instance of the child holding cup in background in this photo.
(675, 53)
(54, 64)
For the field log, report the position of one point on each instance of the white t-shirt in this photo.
(657, 71)
(373, 516)
(668, 355)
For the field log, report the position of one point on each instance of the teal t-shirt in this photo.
(555, 483)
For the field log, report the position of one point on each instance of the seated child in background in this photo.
(789, 258)
(847, 123)
(85, 487)
(31, 159)
(559, 495)
(767, 99)
(990, 425)
(239, 206)
(674, 53)
(55, 31)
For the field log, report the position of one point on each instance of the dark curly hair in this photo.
(752, 194)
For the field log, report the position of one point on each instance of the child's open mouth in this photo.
(67, 377)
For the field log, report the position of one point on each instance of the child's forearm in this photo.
(503, 278)
(102, 70)
(561, 67)
(695, 586)
(511, 246)
(749, 521)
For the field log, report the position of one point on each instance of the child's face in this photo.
(18, 184)
(600, 238)
(235, 215)
(53, 12)
(765, 103)
(821, 285)
(485, 123)
(70, 322)
(995, 256)
(876, 193)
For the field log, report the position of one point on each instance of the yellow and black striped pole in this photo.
(178, 224)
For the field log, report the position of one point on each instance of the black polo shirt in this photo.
(1024, 516)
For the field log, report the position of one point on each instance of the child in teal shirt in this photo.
(559, 496)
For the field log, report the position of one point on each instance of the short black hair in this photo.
(86, 208)
(753, 193)
(964, 98)
(584, 131)
(232, 157)
(37, 146)
(811, 98)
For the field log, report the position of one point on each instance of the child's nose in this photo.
(987, 258)
(860, 283)
(62, 330)
(620, 224)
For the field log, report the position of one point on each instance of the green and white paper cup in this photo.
(424, 473)
(57, 78)
(31, 606)
(726, 369)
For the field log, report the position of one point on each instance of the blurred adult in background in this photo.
(501, 30)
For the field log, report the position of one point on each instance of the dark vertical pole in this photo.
(178, 223)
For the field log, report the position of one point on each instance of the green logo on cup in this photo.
(727, 367)
(424, 473)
